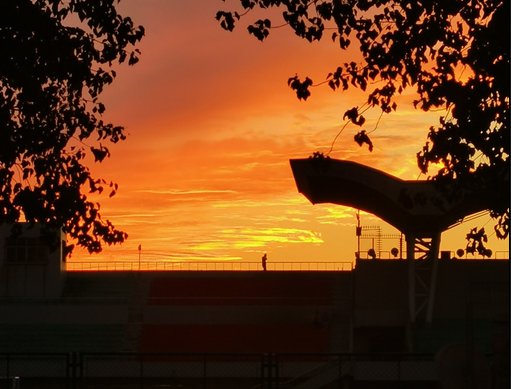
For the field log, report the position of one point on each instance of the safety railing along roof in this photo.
(207, 266)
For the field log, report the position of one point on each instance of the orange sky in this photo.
(204, 173)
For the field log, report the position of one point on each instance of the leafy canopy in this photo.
(57, 57)
(453, 53)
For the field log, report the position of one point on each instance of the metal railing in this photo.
(193, 371)
(239, 266)
(208, 266)
(386, 255)
(497, 255)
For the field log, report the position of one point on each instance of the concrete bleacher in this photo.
(58, 338)
(234, 339)
(216, 312)
(255, 312)
(90, 316)
(256, 289)
(99, 285)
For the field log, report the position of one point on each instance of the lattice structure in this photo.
(422, 253)
(375, 235)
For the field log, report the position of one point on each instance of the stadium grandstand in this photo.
(246, 328)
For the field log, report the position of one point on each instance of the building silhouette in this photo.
(46, 309)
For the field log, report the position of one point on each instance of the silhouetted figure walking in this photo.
(264, 259)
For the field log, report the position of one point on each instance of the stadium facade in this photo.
(46, 309)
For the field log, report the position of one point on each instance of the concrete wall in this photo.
(482, 283)
(471, 297)
(381, 293)
(382, 286)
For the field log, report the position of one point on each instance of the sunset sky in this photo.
(212, 124)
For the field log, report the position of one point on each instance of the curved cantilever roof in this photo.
(415, 207)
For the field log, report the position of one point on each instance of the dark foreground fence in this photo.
(200, 371)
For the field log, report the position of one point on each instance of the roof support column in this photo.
(410, 257)
(433, 254)
(422, 257)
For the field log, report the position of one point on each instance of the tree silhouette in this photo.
(453, 53)
(56, 58)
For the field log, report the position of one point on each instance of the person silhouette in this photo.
(264, 259)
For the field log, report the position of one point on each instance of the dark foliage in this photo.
(51, 75)
(453, 53)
